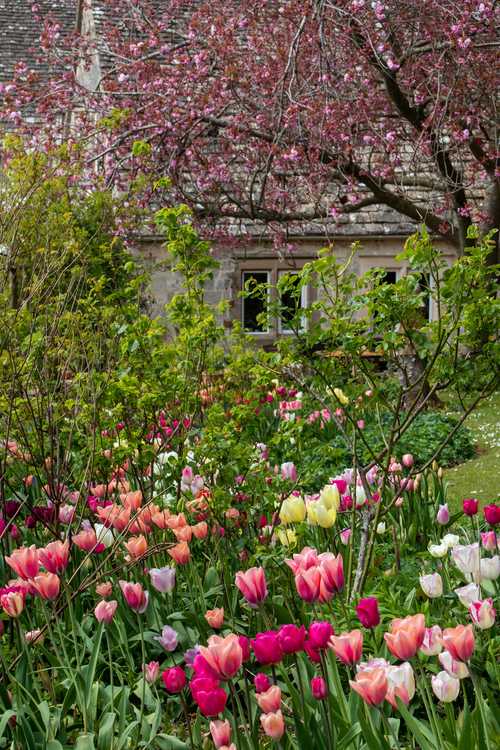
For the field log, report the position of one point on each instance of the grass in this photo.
(479, 477)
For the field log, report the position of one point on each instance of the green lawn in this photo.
(480, 477)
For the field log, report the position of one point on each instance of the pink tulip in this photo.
(483, 614)
(347, 647)
(221, 733)
(136, 598)
(407, 460)
(215, 618)
(24, 562)
(371, 685)
(345, 535)
(308, 558)
(104, 589)
(332, 571)
(288, 471)
(54, 557)
(223, 655)
(273, 725)
(12, 603)
(445, 687)
(406, 636)
(400, 683)
(319, 688)
(443, 515)
(252, 584)
(489, 541)
(266, 647)
(269, 701)
(459, 641)
(87, 541)
(308, 584)
(320, 633)
(291, 638)
(209, 697)
(151, 671)
(47, 585)
(105, 611)
(367, 611)
(454, 668)
(261, 682)
(174, 679)
(470, 506)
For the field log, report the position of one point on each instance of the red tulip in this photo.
(320, 634)
(319, 688)
(261, 682)
(174, 679)
(470, 506)
(491, 514)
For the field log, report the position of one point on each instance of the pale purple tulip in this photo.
(168, 638)
(443, 515)
(163, 579)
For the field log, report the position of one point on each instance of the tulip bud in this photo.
(174, 679)
(319, 689)
(443, 515)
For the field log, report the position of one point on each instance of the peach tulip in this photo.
(347, 647)
(137, 546)
(105, 611)
(459, 642)
(371, 685)
(406, 636)
(104, 589)
(215, 617)
(180, 553)
(273, 725)
(54, 557)
(223, 655)
(200, 530)
(12, 603)
(160, 518)
(183, 533)
(86, 539)
(24, 562)
(47, 585)
(270, 700)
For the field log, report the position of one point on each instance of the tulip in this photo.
(269, 701)
(468, 594)
(406, 636)
(252, 584)
(86, 539)
(371, 685)
(54, 557)
(492, 514)
(381, 528)
(245, 646)
(332, 571)
(287, 537)
(308, 583)
(273, 725)
(443, 515)
(454, 668)
(210, 700)
(223, 655)
(407, 460)
(432, 645)
(347, 647)
(168, 638)
(339, 393)
(221, 733)
(47, 585)
(24, 562)
(320, 634)
(12, 603)
(483, 614)
(367, 612)
(261, 682)
(489, 568)
(200, 530)
(293, 510)
(319, 515)
(445, 687)
(137, 546)
(180, 553)
(34, 636)
(438, 550)
(489, 541)
(400, 683)
(215, 617)
(432, 585)
(313, 653)
(345, 535)
(470, 506)
(162, 579)
(288, 471)
(330, 497)
(174, 679)
(151, 671)
(105, 611)
(319, 688)
(266, 647)
(451, 540)
(459, 641)
(306, 559)
(104, 589)
(136, 598)
(291, 638)
(467, 558)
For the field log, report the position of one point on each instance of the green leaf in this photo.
(6, 716)
(105, 737)
(423, 735)
(169, 742)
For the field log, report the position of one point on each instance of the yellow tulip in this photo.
(293, 510)
(341, 396)
(325, 517)
(287, 537)
(330, 497)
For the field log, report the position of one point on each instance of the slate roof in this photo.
(19, 37)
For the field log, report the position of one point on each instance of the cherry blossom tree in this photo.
(282, 113)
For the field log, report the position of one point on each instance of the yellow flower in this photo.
(330, 497)
(319, 515)
(287, 537)
(341, 396)
(293, 510)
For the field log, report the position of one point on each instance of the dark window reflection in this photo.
(255, 304)
(291, 302)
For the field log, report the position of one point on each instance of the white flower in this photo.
(468, 594)
(490, 568)
(381, 528)
(450, 539)
(466, 558)
(103, 534)
(454, 668)
(432, 585)
(438, 550)
(445, 687)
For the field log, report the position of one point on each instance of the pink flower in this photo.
(209, 697)
(332, 571)
(151, 671)
(215, 618)
(308, 558)
(470, 506)
(12, 603)
(291, 638)
(367, 611)
(252, 584)
(47, 585)
(288, 471)
(459, 641)
(308, 584)
(319, 689)
(431, 645)
(273, 725)
(445, 687)
(54, 557)
(269, 701)
(489, 540)
(223, 655)
(483, 613)
(345, 535)
(266, 647)
(87, 541)
(371, 685)
(347, 647)
(24, 562)
(261, 682)
(407, 460)
(320, 633)
(400, 683)
(105, 611)
(221, 733)
(454, 668)
(443, 515)
(492, 514)
(136, 598)
(174, 679)
(406, 636)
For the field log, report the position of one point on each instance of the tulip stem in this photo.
(143, 656)
(480, 702)
(188, 720)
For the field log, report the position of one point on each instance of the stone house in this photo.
(380, 230)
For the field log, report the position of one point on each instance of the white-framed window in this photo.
(253, 306)
(291, 303)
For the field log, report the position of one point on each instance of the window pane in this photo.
(291, 302)
(388, 277)
(254, 305)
